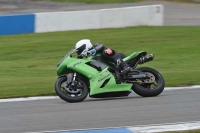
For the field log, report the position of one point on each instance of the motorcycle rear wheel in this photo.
(151, 89)
(69, 96)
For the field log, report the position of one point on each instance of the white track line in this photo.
(182, 88)
(152, 128)
(166, 127)
(56, 97)
(27, 99)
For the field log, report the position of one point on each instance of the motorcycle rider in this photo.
(85, 49)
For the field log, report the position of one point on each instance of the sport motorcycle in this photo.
(96, 77)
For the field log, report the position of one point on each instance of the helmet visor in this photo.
(81, 48)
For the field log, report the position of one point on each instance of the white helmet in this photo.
(83, 44)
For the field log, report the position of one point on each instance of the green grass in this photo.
(112, 1)
(28, 62)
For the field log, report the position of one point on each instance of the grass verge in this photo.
(28, 62)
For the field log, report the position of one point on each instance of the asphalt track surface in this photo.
(52, 115)
(174, 13)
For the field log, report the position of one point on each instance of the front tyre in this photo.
(149, 87)
(71, 93)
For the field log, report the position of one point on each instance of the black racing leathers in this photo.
(100, 48)
(113, 56)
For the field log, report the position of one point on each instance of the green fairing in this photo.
(77, 65)
(133, 55)
(111, 86)
(96, 78)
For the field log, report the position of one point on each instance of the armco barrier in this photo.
(79, 20)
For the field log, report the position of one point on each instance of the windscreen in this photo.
(68, 54)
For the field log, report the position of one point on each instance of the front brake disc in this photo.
(71, 89)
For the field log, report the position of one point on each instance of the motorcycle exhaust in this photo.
(146, 58)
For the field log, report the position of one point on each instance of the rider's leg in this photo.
(117, 59)
(125, 67)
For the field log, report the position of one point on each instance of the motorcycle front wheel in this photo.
(149, 87)
(75, 92)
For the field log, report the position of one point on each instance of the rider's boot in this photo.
(124, 66)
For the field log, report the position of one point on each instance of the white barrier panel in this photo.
(63, 21)
(96, 19)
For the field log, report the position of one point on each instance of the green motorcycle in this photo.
(100, 78)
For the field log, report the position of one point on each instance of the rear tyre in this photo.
(151, 87)
(76, 93)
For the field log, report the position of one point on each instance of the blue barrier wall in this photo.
(17, 24)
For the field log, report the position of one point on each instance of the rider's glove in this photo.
(91, 52)
(87, 53)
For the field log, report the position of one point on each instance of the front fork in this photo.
(70, 84)
(74, 78)
(71, 77)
